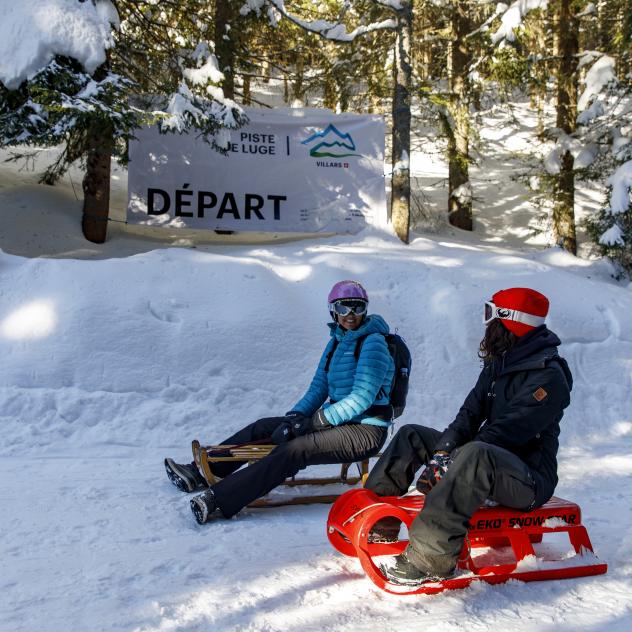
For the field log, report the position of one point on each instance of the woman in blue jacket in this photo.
(342, 418)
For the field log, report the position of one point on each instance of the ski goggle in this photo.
(493, 311)
(344, 308)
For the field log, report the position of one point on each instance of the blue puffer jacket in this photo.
(352, 385)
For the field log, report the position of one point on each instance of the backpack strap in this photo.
(358, 347)
(356, 355)
(356, 351)
(382, 411)
(330, 354)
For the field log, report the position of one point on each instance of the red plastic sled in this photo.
(508, 535)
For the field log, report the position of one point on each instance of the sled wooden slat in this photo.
(205, 455)
(326, 499)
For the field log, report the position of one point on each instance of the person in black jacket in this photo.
(500, 448)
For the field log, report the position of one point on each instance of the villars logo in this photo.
(331, 143)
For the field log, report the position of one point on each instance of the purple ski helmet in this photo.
(347, 289)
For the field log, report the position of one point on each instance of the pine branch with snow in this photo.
(611, 229)
(52, 98)
(60, 103)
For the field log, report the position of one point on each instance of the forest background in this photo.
(437, 67)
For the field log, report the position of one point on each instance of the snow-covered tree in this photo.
(605, 123)
(589, 105)
(471, 36)
(78, 74)
(612, 226)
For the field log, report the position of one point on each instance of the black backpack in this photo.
(399, 389)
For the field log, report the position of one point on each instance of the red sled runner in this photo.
(504, 533)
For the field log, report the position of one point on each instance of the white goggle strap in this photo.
(504, 313)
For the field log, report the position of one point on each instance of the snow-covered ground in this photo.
(116, 356)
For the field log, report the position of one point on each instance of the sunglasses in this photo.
(344, 308)
(493, 311)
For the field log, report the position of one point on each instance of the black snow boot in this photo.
(204, 506)
(186, 478)
(403, 573)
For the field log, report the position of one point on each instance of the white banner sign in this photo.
(286, 171)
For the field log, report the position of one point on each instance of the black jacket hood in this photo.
(535, 350)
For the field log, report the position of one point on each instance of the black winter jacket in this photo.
(517, 404)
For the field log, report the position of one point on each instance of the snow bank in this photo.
(143, 349)
(109, 366)
(33, 32)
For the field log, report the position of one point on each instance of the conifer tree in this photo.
(93, 115)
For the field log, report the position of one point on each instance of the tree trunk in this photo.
(540, 75)
(425, 65)
(609, 21)
(225, 44)
(247, 92)
(402, 73)
(615, 32)
(267, 71)
(330, 97)
(459, 189)
(96, 182)
(297, 85)
(225, 14)
(564, 189)
(625, 56)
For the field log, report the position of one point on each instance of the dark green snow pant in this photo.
(479, 471)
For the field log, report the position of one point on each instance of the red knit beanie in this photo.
(529, 308)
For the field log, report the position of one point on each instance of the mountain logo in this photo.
(331, 143)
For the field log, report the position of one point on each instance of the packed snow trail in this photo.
(111, 365)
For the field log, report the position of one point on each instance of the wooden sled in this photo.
(205, 455)
(508, 535)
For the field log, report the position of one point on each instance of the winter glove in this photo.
(300, 424)
(433, 472)
(282, 433)
(319, 421)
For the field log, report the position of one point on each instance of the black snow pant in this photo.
(347, 443)
(478, 471)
